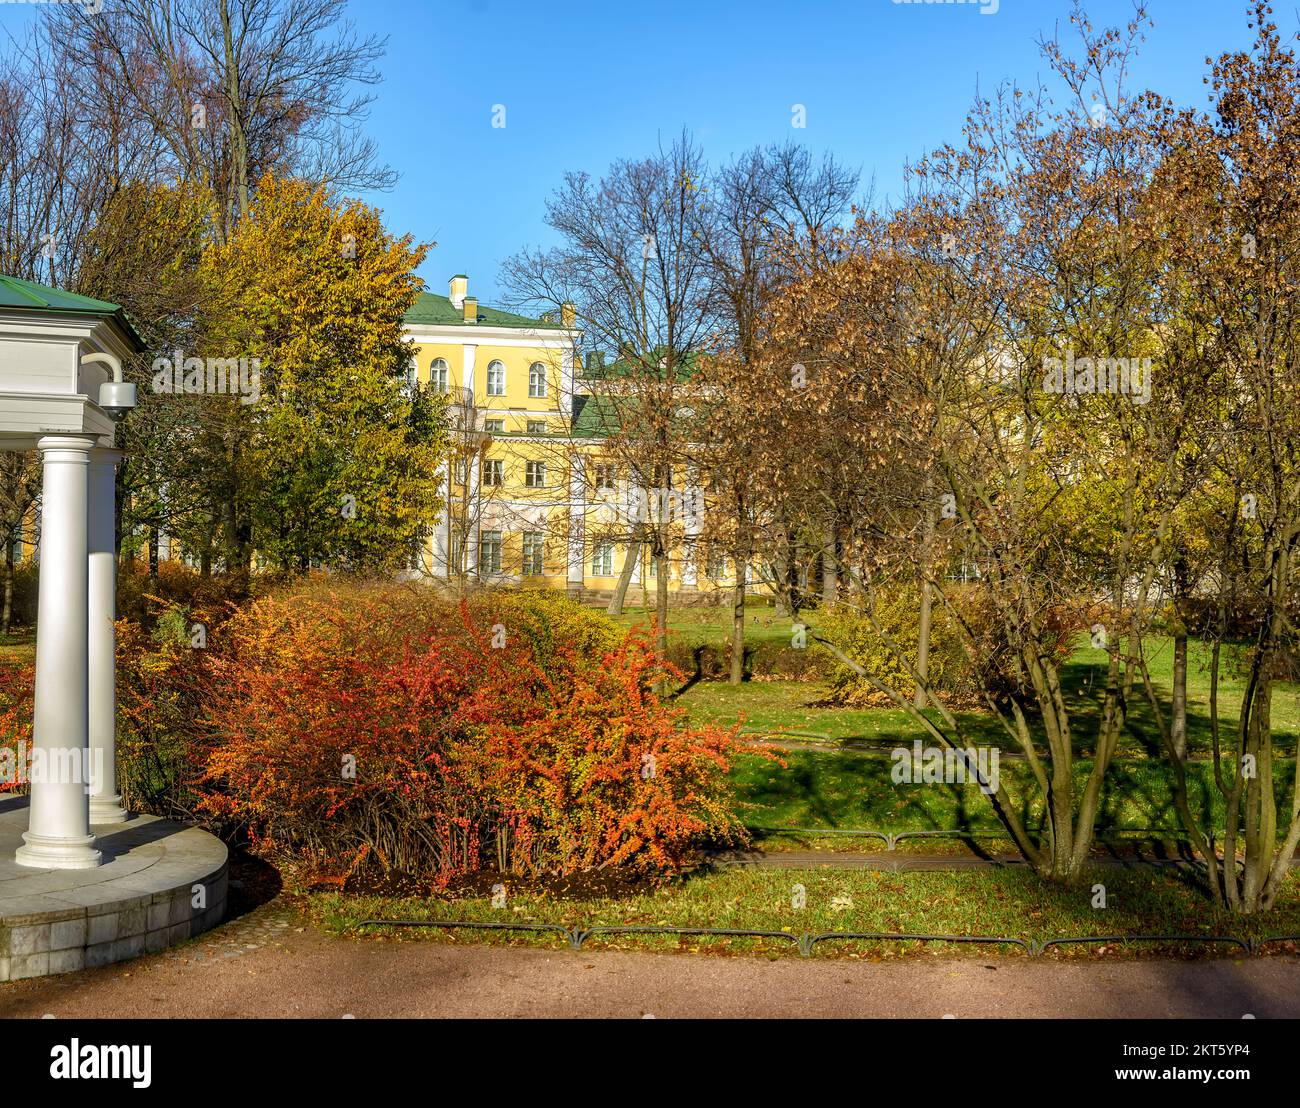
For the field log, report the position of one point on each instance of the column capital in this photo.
(66, 448)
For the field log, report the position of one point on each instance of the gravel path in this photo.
(269, 963)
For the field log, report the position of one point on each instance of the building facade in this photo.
(531, 497)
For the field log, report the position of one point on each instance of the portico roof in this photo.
(27, 295)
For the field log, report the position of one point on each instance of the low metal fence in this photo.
(807, 940)
(892, 838)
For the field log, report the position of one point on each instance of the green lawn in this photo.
(800, 708)
(19, 646)
(795, 706)
(846, 788)
(831, 789)
(993, 902)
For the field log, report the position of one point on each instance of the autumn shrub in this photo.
(970, 658)
(142, 597)
(591, 766)
(897, 612)
(17, 683)
(351, 723)
(163, 688)
(546, 618)
(23, 601)
(993, 667)
(513, 730)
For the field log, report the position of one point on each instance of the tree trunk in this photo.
(744, 553)
(7, 615)
(661, 607)
(238, 138)
(785, 573)
(830, 571)
(1178, 715)
(205, 554)
(792, 575)
(619, 598)
(927, 603)
(661, 610)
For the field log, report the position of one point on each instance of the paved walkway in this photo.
(269, 964)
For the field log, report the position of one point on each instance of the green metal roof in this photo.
(16, 293)
(594, 417)
(641, 367)
(433, 309)
(597, 416)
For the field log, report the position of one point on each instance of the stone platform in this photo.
(161, 883)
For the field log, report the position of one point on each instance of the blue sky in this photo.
(585, 82)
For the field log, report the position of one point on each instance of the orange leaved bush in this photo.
(514, 732)
(17, 685)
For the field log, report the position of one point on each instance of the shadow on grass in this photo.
(1083, 681)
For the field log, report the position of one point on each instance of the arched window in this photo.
(496, 381)
(438, 375)
(537, 379)
(413, 372)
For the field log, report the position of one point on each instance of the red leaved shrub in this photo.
(348, 724)
(17, 688)
(517, 731)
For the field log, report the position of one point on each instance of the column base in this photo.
(41, 852)
(108, 809)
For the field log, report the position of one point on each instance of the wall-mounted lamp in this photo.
(116, 397)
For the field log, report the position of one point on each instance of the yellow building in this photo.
(530, 497)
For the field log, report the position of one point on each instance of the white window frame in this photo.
(535, 475)
(439, 381)
(534, 553)
(602, 558)
(494, 473)
(489, 542)
(537, 380)
(496, 376)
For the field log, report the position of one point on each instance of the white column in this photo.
(58, 835)
(473, 514)
(568, 358)
(690, 571)
(105, 800)
(470, 356)
(577, 561)
(692, 512)
(442, 532)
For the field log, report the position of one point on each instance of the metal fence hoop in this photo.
(1081, 939)
(717, 932)
(884, 936)
(472, 925)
